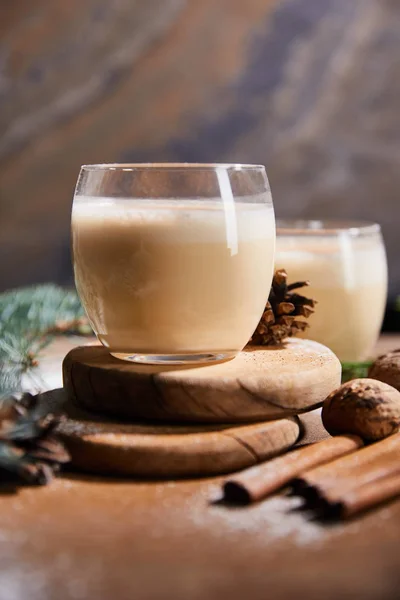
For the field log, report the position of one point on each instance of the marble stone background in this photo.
(310, 88)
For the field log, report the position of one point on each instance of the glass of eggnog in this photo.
(345, 264)
(173, 262)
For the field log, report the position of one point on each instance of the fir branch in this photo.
(355, 370)
(29, 320)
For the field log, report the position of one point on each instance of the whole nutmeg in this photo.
(365, 407)
(386, 368)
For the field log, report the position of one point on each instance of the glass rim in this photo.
(327, 227)
(172, 166)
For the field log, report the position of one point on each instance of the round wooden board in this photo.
(98, 445)
(259, 384)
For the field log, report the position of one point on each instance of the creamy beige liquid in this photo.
(172, 277)
(348, 277)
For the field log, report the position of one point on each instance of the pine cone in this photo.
(28, 446)
(279, 317)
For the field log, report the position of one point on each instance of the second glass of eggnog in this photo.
(345, 264)
(173, 262)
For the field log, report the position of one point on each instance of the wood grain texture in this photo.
(101, 537)
(259, 384)
(98, 445)
(307, 87)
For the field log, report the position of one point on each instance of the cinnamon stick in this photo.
(352, 483)
(370, 495)
(258, 482)
(377, 460)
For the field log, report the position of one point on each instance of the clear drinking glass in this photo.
(345, 263)
(173, 262)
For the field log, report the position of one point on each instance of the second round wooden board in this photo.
(260, 383)
(98, 445)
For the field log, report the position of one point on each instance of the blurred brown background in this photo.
(310, 88)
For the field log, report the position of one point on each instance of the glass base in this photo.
(174, 359)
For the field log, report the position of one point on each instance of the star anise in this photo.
(29, 448)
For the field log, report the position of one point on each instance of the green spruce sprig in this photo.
(355, 370)
(29, 320)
